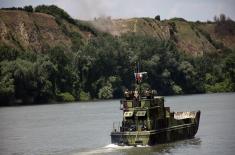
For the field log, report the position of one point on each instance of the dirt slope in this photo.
(38, 32)
(190, 37)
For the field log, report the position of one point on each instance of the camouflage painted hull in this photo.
(153, 137)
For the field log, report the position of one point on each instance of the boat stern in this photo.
(130, 138)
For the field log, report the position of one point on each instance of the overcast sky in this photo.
(88, 9)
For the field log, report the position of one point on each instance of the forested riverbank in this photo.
(102, 66)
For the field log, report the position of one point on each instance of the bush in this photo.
(224, 86)
(83, 96)
(7, 53)
(28, 8)
(55, 11)
(13, 8)
(106, 92)
(65, 97)
(158, 17)
(178, 19)
(177, 89)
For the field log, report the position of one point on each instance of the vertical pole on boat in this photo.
(138, 77)
(139, 81)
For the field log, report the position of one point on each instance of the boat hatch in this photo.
(140, 113)
(128, 114)
(184, 115)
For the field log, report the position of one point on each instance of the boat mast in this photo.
(138, 78)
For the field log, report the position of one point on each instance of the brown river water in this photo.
(84, 128)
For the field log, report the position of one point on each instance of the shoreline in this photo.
(103, 100)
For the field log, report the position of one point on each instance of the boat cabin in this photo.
(143, 112)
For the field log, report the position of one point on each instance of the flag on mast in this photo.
(139, 76)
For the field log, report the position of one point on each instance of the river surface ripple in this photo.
(84, 128)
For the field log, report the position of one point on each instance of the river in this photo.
(84, 128)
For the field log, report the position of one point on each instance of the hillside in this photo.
(189, 36)
(37, 31)
(45, 55)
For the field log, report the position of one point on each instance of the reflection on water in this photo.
(169, 148)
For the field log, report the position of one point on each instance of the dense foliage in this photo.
(54, 11)
(103, 67)
(28, 8)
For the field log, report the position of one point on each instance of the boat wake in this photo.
(107, 149)
(114, 146)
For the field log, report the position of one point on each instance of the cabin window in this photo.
(140, 113)
(128, 114)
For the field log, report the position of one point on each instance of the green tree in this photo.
(7, 87)
(28, 8)
(106, 92)
(45, 72)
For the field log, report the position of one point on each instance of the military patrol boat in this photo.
(146, 121)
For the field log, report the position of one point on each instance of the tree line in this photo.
(103, 68)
